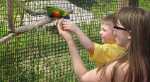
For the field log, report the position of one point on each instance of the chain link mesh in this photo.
(41, 55)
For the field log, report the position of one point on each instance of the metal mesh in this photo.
(41, 55)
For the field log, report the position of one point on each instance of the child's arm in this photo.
(84, 40)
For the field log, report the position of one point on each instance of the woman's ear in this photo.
(129, 37)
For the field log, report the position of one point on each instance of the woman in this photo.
(132, 32)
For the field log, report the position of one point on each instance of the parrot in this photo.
(55, 12)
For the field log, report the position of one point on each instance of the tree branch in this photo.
(6, 38)
(33, 25)
(25, 28)
(32, 13)
(10, 15)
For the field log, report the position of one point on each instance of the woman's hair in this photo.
(137, 22)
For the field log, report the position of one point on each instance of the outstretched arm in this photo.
(84, 40)
(78, 65)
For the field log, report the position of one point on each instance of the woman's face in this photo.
(122, 36)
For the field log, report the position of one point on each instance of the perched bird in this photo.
(55, 12)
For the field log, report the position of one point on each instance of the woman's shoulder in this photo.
(105, 74)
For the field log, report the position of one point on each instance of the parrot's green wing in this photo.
(52, 9)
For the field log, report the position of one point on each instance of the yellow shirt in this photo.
(105, 53)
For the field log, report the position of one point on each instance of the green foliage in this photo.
(3, 29)
(144, 4)
(103, 7)
(3, 18)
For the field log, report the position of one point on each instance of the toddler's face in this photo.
(106, 32)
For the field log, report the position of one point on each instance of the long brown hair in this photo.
(137, 22)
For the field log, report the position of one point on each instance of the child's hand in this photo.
(70, 26)
(65, 34)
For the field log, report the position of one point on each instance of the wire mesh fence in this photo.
(40, 54)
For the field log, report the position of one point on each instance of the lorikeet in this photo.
(55, 12)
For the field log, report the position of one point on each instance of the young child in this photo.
(98, 53)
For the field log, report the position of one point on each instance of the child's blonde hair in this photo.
(110, 17)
